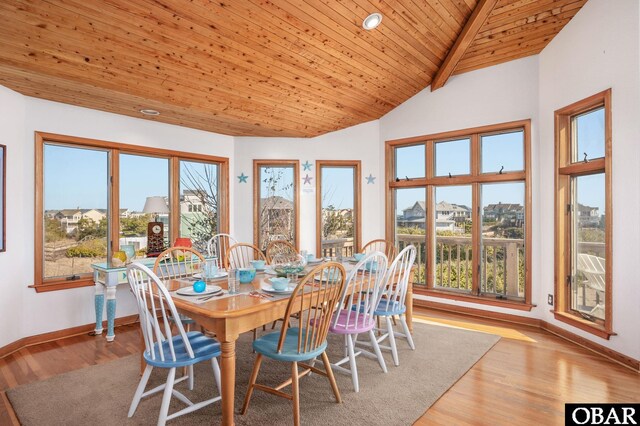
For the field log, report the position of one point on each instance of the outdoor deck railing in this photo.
(330, 248)
(502, 263)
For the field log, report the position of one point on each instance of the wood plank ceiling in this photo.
(259, 67)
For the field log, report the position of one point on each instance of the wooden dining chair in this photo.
(391, 301)
(240, 255)
(384, 246)
(178, 262)
(356, 312)
(314, 299)
(280, 247)
(217, 247)
(165, 350)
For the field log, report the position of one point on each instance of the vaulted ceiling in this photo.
(260, 67)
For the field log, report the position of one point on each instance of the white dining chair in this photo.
(391, 302)
(217, 247)
(164, 350)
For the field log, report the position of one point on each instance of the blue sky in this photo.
(281, 178)
(77, 177)
(337, 187)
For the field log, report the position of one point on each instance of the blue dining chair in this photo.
(164, 350)
(391, 302)
(314, 300)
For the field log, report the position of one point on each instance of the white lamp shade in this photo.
(155, 205)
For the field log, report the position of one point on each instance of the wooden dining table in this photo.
(229, 317)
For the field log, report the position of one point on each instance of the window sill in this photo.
(62, 285)
(584, 325)
(482, 300)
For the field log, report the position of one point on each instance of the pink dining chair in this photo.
(356, 312)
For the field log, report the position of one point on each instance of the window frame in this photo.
(565, 169)
(41, 284)
(357, 177)
(257, 164)
(475, 178)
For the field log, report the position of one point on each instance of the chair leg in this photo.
(216, 374)
(166, 397)
(346, 346)
(376, 349)
(185, 370)
(332, 380)
(407, 333)
(295, 393)
(191, 378)
(143, 364)
(140, 390)
(352, 364)
(252, 381)
(392, 342)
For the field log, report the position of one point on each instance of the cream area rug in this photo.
(101, 395)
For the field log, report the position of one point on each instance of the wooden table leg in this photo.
(228, 373)
(409, 312)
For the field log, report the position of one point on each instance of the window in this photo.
(76, 210)
(583, 210)
(409, 160)
(338, 207)
(199, 202)
(410, 226)
(141, 177)
(452, 157)
(453, 251)
(468, 216)
(275, 203)
(89, 200)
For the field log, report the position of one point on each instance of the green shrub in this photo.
(91, 248)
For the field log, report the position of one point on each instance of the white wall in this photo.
(355, 143)
(38, 313)
(499, 94)
(18, 198)
(597, 50)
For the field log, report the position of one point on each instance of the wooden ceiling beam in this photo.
(466, 37)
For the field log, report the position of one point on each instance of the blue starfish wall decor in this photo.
(242, 178)
(370, 179)
(306, 165)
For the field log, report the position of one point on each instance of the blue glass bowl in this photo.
(199, 286)
(246, 275)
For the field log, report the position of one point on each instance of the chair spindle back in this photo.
(361, 290)
(157, 313)
(396, 280)
(217, 247)
(384, 246)
(280, 247)
(240, 255)
(178, 262)
(314, 301)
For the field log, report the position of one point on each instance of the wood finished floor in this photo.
(526, 378)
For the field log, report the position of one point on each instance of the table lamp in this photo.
(155, 230)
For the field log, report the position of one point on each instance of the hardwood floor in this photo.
(526, 378)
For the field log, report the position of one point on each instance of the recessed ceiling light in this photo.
(149, 112)
(372, 21)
